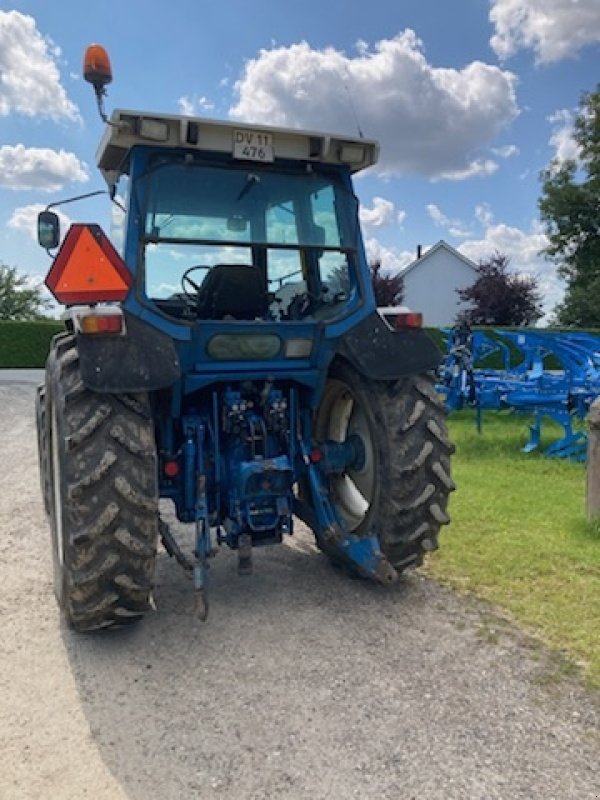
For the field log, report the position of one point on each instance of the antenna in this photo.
(352, 106)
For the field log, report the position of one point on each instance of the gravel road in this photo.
(303, 684)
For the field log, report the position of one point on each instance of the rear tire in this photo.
(43, 448)
(104, 496)
(401, 493)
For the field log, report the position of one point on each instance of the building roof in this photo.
(441, 245)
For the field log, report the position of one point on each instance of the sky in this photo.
(469, 99)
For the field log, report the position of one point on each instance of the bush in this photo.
(26, 344)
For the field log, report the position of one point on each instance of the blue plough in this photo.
(528, 386)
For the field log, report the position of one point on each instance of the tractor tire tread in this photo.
(109, 491)
(43, 448)
(413, 477)
(419, 487)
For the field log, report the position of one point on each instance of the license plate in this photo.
(253, 146)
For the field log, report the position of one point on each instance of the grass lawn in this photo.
(519, 537)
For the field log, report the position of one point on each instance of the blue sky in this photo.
(469, 99)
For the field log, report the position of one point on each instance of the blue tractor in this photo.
(225, 353)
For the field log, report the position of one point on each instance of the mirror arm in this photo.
(73, 199)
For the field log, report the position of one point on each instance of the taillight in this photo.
(171, 469)
(101, 319)
(101, 324)
(316, 455)
(408, 319)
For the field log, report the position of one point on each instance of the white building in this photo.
(431, 281)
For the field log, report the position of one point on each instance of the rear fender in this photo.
(381, 353)
(143, 359)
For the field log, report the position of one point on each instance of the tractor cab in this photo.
(231, 223)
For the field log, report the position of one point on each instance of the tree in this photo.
(18, 299)
(499, 297)
(570, 208)
(389, 289)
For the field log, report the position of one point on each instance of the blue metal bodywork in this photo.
(237, 434)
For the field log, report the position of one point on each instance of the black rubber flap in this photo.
(143, 360)
(384, 354)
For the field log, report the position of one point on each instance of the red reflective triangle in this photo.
(87, 268)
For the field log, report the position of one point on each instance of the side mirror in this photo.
(48, 229)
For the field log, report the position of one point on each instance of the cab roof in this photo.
(243, 141)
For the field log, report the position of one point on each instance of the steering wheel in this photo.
(190, 287)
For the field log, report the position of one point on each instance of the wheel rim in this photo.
(56, 494)
(343, 415)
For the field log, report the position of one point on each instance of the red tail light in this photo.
(409, 319)
(171, 469)
(101, 323)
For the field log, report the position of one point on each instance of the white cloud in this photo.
(118, 222)
(29, 77)
(483, 213)
(429, 120)
(454, 226)
(523, 248)
(565, 146)
(25, 219)
(166, 289)
(476, 169)
(436, 214)
(39, 168)
(392, 259)
(554, 29)
(458, 230)
(506, 151)
(186, 106)
(381, 214)
(194, 106)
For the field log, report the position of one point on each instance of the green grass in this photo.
(519, 537)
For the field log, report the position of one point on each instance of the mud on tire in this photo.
(104, 496)
(402, 492)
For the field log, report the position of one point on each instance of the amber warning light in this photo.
(96, 67)
(88, 269)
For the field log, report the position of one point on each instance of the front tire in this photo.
(104, 496)
(401, 492)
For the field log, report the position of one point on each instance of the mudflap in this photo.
(380, 353)
(144, 359)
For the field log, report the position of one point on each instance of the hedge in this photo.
(26, 344)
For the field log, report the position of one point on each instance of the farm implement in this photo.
(545, 374)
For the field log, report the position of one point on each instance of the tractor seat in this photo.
(232, 290)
